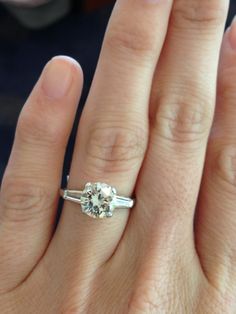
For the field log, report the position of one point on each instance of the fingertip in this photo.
(58, 76)
(49, 112)
(228, 49)
(229, 39)
(70, 61)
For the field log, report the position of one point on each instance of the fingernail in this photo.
(57, 77)
(232, 34)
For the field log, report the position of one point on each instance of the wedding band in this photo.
(97, 200)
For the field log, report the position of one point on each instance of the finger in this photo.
(181, 115)
(216, 217)
(113, 131)
(31, 182)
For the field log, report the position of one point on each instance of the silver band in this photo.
(98, 200)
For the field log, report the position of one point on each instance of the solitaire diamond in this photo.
(97, 200)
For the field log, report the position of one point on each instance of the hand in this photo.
(149, 259)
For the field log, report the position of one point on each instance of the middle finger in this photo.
(181, 112)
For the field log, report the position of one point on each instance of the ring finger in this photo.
(113, 131)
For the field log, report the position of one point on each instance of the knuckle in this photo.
(225, 167)
(144, 300)
(34, 126)
(21, 201)
(182, 122)
(199, 14)
(157, 292)
(115, 149)
(134, 42)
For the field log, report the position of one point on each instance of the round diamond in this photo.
(97, 200)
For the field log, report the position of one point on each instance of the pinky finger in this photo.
(216, 218)
(29, 191)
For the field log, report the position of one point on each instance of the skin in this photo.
(149, 129)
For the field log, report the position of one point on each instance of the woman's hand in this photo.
(175, 251)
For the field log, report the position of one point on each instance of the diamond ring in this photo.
(98, 200)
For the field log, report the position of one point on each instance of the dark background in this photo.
(24, 52)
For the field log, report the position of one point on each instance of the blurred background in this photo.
(32, 34)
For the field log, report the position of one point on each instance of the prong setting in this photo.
(97, 200)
